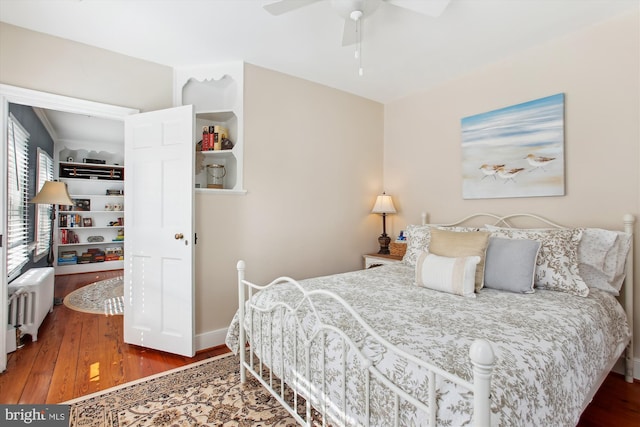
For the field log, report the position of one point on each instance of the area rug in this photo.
(103, 297)
(206, 393)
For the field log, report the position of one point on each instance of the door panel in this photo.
(159, 288)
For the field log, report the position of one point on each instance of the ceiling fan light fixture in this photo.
(356, 16)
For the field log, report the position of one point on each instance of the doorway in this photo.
(46, 101)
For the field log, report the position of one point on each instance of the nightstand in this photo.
(376, 260)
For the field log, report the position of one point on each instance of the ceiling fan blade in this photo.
(284, 6)
(430, 7)
(349, 32)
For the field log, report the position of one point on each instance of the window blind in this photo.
(17, 197)
(43, 212)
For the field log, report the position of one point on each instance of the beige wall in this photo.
(313, 166)
(598, 70)
(50, 64)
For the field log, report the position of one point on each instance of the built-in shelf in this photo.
(216, 92)
(98, 193)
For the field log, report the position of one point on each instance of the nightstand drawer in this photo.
(376, 260)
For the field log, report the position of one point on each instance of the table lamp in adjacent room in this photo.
(52, 193)
(384, 206)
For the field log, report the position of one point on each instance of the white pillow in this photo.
(617, 258)
(452, 275)
(602, 255)
(594, 246)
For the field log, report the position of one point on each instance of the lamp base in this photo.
(384, 241)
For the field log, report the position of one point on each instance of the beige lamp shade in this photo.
(53, 193)
(384, 205)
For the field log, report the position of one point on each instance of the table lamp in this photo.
(384, 206)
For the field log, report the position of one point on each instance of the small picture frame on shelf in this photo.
(87, 222)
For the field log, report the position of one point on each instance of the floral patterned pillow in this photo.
(418, 237)
(557, 262)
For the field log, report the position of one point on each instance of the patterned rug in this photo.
(103, 297)
(206, 393)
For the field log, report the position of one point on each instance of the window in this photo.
(17, 197)
(43, 212)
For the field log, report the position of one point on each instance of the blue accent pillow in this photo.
(510, 264)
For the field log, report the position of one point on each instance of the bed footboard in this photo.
(302, 364)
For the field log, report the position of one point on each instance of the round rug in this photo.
(103, 297)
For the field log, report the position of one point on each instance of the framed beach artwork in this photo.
(516, 151)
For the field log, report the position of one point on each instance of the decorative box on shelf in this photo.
(91, 171)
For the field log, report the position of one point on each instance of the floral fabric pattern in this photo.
(557, 262)
(418, 238)
(550, 347)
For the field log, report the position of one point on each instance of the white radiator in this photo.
(30, 299)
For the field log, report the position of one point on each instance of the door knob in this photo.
(179, 236)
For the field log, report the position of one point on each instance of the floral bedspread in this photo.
(550, 347)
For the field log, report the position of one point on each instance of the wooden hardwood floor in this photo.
(79, 353)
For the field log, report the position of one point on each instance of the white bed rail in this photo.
(313, 391)
(629, 222)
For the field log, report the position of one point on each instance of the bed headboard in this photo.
(537, 221)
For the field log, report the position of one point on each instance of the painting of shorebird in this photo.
(516, 151)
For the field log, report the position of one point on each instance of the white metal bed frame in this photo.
(481, 354)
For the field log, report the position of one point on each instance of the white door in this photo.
(158, 273)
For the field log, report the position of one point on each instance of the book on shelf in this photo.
(205, 138)
(85, 258)
(68, 261)
(68, 254)
(212, 137)
(68, 236)
(70, 220)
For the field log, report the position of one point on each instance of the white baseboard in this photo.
(619, 368)
(212, 339)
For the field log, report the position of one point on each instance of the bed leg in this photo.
(482, 358)
(628, 364)
(241, 338)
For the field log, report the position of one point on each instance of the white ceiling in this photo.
(402, 51)
(71, 129)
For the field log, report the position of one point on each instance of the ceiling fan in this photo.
(355, 11)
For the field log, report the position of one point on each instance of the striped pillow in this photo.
(452, 275)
